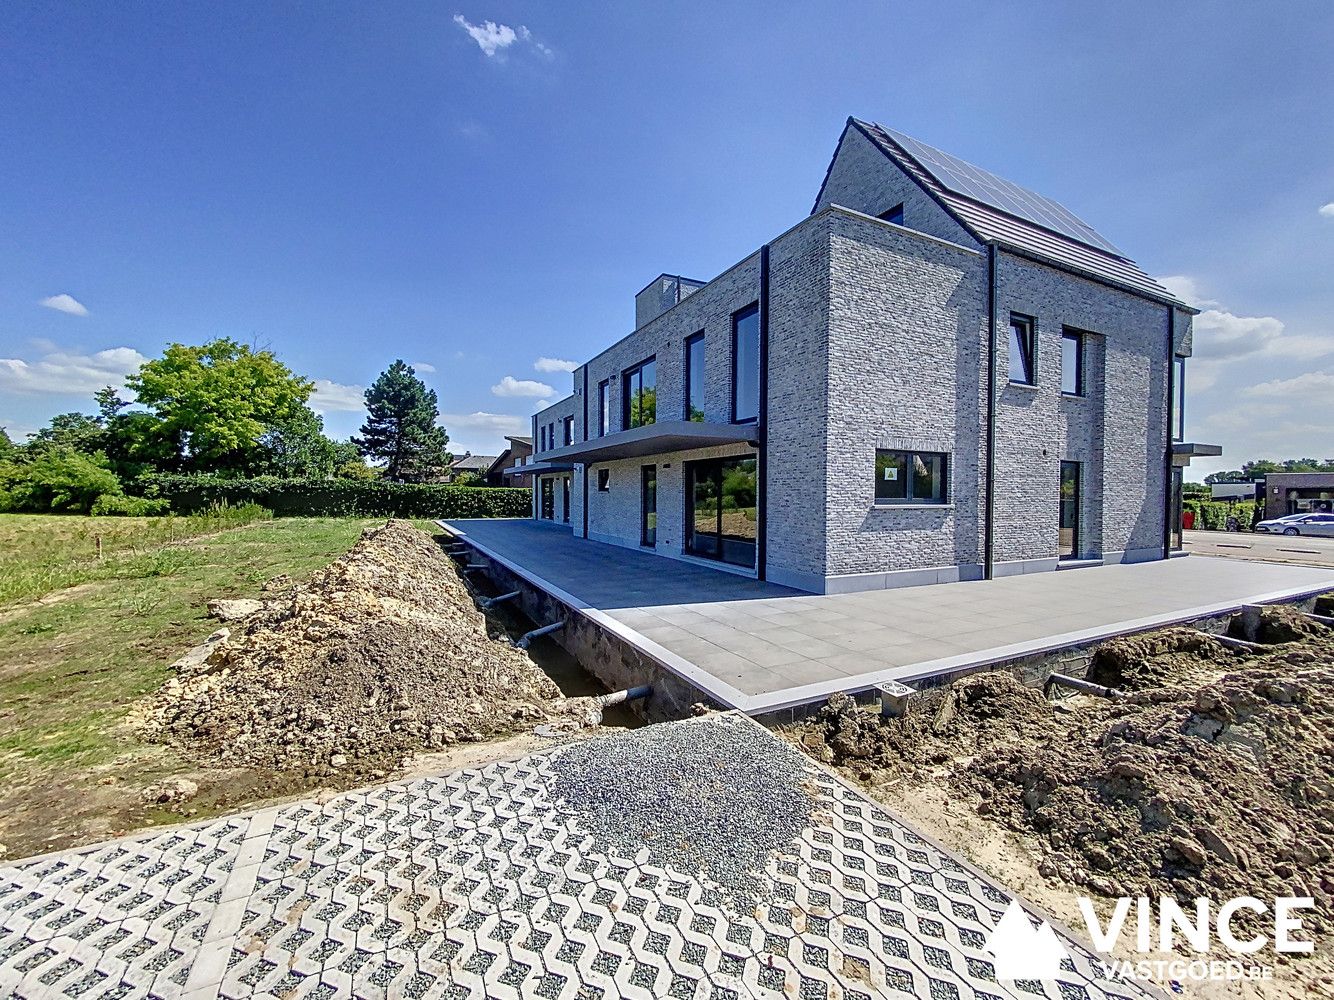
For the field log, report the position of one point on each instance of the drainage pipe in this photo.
(630, 694)
(1078, 684)
(1322, 619)
(1242, 644)
(472, 567)
(491, 602)
(527, 638)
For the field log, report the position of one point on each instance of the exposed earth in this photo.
(1211, 777)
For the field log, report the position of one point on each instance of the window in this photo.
(1179, 400)
(604, 480)
(746, 365)
(1023, 346)
(695, 378)
(639, 395)
(721, 509)
(1068, 530)
(567, 430)
(894, 215)
(1072, 363)
(542, 438)
(604, 406)
(911, 477)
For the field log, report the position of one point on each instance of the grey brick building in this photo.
(928, 379)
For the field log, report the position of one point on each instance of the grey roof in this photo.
(993, 209)
(519, 440)
(480, 463)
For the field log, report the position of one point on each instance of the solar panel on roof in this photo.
(963, 178)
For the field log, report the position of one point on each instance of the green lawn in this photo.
(81, 639)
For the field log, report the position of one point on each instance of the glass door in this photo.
(565, 499)
(1069, 527)
(721, 512)
(648, 505)
(548, 499)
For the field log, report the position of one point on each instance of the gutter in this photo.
(1168, 505)
(762, 449)
(989, 516)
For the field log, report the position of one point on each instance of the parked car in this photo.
(1321, 525)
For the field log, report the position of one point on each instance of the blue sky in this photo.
(351, 183)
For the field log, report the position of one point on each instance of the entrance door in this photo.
(648, 505)
(1175, 513)
(548, 500)
(565, 499)
(1069, 533)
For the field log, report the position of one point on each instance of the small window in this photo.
(604, 480)
(1023, 351)
(604, 406)
(1072, 363)
(639, 395)
(911, 477)
(746, 365)
(567, 430)
(695, 378)
(542, 438)
(894, 215)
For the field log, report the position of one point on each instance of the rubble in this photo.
(234, 610)
(381, 654)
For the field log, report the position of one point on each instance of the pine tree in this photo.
(400, 429)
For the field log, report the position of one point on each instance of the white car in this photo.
(1321, 525)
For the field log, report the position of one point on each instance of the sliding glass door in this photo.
(721, 510)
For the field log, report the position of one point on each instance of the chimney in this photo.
(663, 292)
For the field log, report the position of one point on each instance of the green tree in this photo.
(7, 446)
(400, 429)
(55, 478)
(75, 431)
(217, 400)
(296, 447)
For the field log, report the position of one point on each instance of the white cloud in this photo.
(334, 397)
(1327, 209)
(422, 366)
(1186, 289)
(554, 365)
(493, 39)
(481, 422)
(1221, 334)
(64, 303)
(509, 386)
(1309, 387)
(67, 372)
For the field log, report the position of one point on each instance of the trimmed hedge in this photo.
(117, 505)
(1212, 515)
(338, 497)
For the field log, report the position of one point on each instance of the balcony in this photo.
(655, 439)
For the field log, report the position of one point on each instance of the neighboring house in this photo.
(519, 451)
(1298, 493)
(1235, 491)
(476, 464)
(935, 376)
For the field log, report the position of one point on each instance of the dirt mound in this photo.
(1213, 787)
(380, 654)
(1276, 623)
(1152, 659)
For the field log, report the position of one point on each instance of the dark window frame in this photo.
(909, 499)
(1178, 401)
(604, 480)
(604, 407)
(542, 438)
(1080, 339)
(716, 468)
(1029, 338)
(691, 341)
(745, 313)
(1077, 502)
(648, 536)
(567, 430)
(626, 375)
(894, 215)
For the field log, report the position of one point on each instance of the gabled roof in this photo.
(478, 463)
(993, 209)
(517, 439)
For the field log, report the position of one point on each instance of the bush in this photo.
(56, 480)
(339, 497)
(113, 505)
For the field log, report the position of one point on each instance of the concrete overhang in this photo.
(1184, 451)
(539, 468)
(655, 439)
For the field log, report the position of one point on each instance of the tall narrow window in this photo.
(695, 378)
(542, 438)
(639, 395)
(1179, 400)
(1072, 363)
(1068, 535)
(567, 430)
(746, 365)
(604, 406)
(1023, 350)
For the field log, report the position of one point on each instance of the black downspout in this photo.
(584, 477)
(989, 516)
(1169, 508)
(762, 472)
(532, 479)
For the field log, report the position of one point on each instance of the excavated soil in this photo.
(380, 655)
(1213, 777)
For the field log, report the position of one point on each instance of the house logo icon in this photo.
(1023, 951)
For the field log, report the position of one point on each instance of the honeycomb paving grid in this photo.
(478, 884)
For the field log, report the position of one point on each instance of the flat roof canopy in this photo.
(537, 468)
(654, 439)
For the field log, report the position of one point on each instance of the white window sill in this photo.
(1079, 396)
(1025, 386)
(881, 505)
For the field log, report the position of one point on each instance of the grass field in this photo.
(81, 639)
